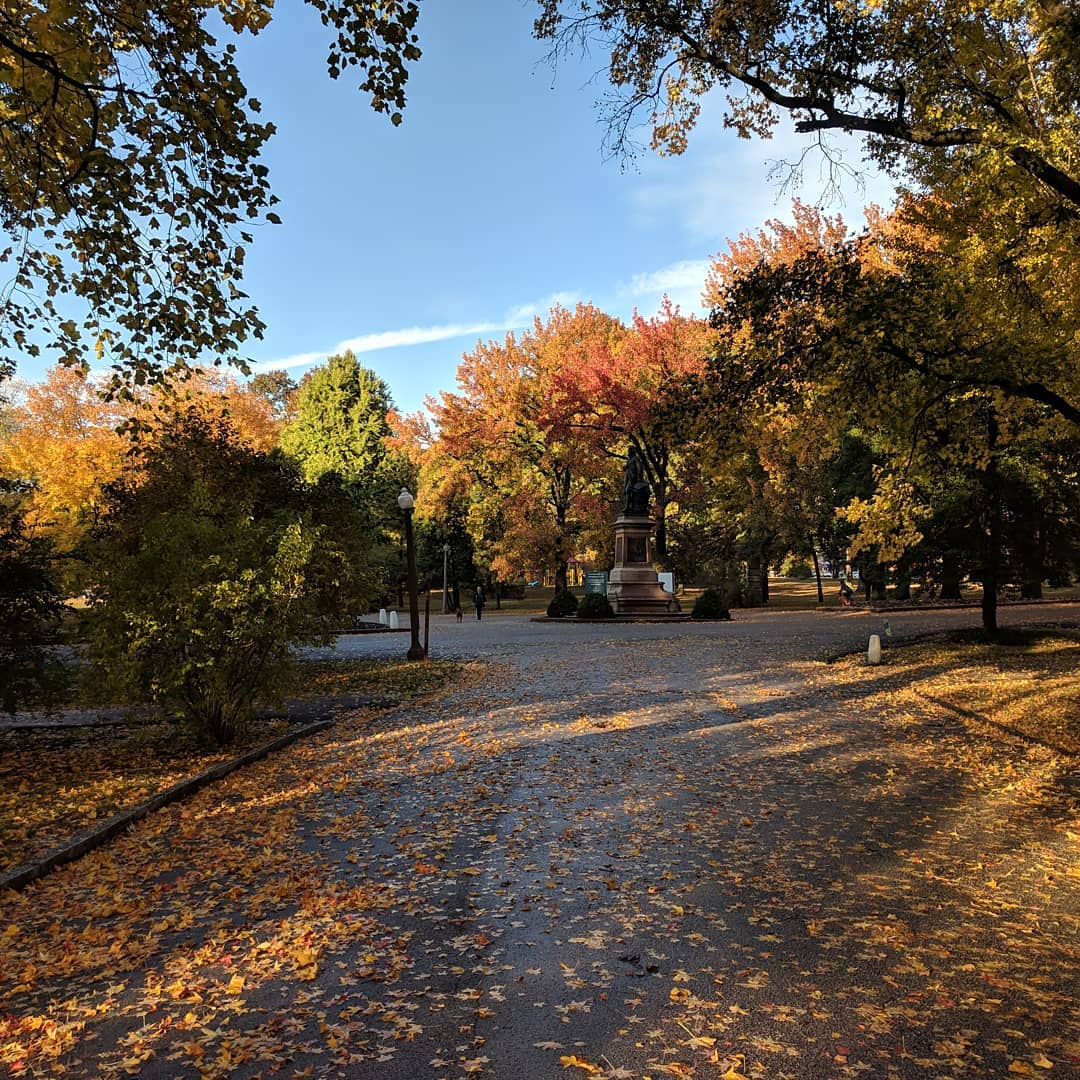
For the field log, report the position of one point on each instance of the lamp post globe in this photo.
(406, 502)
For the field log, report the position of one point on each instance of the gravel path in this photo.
(625, 851)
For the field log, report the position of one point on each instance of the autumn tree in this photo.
(991, 88)
(278, 389)
(899, 327)
(212, 395)
(536, 478)
(629, 388)
(130, 179)
(64, 444)
(769, 444)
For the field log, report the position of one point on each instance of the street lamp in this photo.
(406, 502)
(445, 588)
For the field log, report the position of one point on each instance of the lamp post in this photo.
(406, 502)
(445, 567)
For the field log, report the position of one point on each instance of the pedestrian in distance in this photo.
(478, 599)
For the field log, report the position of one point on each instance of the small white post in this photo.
(873, 653)
(382, 616)
(393, 620)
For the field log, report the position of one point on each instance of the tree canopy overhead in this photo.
(995, 83)
(129, 171)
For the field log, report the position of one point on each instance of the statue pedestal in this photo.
(633, 587)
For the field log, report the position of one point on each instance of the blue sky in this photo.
(489, 203)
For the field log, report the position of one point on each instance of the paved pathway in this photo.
(625, 851)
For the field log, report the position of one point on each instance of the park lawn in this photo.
(1026, 686)
(56, 782)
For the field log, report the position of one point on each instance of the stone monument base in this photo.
(633, 587)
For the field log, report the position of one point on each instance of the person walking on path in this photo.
(478, 599)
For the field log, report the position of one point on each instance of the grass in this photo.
(55, 782)
(1024, 685)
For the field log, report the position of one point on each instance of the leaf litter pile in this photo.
(699, 858)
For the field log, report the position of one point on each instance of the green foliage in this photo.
(711, 604)
(131, 175)
(209, 568)
(794, 566)
(563, 603)
(340, 424)
(595, 606)
(277, 389)
(31, 609)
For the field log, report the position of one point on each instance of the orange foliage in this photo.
(65, 441)
(212, 394)
(778, 244)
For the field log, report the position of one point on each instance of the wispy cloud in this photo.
(681, 281)
(709, 197)
(385, 339)
(689, 273)
(523, 314)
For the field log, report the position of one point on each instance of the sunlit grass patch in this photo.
(1027, 682)
(383, 678)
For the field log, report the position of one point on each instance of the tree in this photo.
(210, 566)
(941, 363)
(629, 387)
(341, 428)
(67, 442)
(212, 395)
(130, 176)
(31, 606)
(63, 442)
(987, 87)
(278, 390)
(535, 477)
(341, 422)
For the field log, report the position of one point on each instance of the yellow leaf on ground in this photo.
(572, 1061)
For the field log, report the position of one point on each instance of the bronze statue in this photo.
(635, 486)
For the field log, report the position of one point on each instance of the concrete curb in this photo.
(94, 837)
(570, 620)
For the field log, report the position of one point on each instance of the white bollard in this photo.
(382, 616)
(873, 653)
(393, 620)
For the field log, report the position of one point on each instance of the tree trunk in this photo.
(660, 541)
(498, 595)
(991, 535)
(950, 579)
(753, 582)
(903, 587)
(817, 575)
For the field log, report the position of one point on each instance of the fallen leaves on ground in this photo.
(494, 884)
(55, 782)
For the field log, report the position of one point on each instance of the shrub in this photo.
(31, 606)
(797, 568)
(210, 567)
(562, 604)
(595, 606)
(711, 604)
